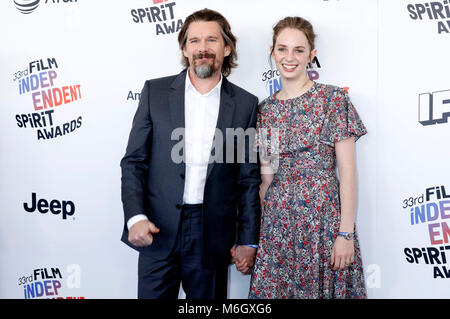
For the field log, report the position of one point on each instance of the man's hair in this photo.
(208, 15)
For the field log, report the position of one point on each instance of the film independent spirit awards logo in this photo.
(51, 283)
(161, 15)
(438, 11)
(428, 215)
(29, 6)
(434, 108)
(39, 83)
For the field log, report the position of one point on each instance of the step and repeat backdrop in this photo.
(71, 72)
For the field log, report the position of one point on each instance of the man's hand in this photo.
(243, 257)
(141, 233)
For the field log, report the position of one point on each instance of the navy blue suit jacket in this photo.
(153, 184)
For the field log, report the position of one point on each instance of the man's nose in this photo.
(202, 46)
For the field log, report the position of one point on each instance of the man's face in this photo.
(205, 48)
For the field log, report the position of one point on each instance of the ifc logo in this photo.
(26, 6)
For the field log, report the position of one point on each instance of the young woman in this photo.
(308, 247)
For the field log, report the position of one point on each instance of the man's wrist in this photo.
(248, 245)
(137, 218)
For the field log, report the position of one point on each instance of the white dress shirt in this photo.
(200, 112)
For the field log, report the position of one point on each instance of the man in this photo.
(182, 215)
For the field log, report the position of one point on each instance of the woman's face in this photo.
(292, 53)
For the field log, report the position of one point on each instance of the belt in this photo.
(192, 210)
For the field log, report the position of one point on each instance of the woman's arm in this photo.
(267, 175)
(343, 249)
(345, 157)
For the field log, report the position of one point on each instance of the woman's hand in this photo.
(342, 253)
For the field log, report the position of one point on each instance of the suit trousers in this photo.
(160, 279)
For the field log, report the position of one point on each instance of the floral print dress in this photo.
(301, 210)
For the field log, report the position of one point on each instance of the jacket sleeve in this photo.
(248, 182)
(136, 160)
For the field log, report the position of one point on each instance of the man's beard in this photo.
(204, 71)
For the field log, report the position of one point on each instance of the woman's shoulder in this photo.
(330, 89)
(267, 103)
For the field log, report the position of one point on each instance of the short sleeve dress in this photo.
(301, 210)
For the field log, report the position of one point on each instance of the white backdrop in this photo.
(377, 49)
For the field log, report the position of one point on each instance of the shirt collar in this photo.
(190, 86)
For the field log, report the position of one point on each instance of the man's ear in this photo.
(184, 51)
(227, 50)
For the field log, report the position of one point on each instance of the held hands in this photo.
(243, 257)
(141, 233)
(342, 253)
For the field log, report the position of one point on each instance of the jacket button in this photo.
(178, 206)
(182, 176)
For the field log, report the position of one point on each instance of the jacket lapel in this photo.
(176, 106)
(224, 120)
(176, 100)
